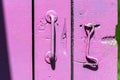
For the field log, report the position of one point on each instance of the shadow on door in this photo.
(4, 61)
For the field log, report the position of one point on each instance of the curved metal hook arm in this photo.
(92, 62)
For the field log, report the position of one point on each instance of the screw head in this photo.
(51, 14)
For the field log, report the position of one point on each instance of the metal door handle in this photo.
(51, 18)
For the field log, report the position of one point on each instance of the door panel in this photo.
(18, 28)
(103, 46)
(46, 32)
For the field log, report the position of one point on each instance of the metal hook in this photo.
(92, 62)
(51, 18)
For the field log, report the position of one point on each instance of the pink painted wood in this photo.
(103, 12)
(19, 38)
(43, 70)
(18, 28)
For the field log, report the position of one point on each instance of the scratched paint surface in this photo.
(19, 38)
(103, 12)
(43, 70)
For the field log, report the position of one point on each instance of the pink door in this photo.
(95, 46)
(17, 14)
(52, 40)
(75, 40)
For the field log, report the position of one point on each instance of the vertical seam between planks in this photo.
(33, 40)
(72, 39)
